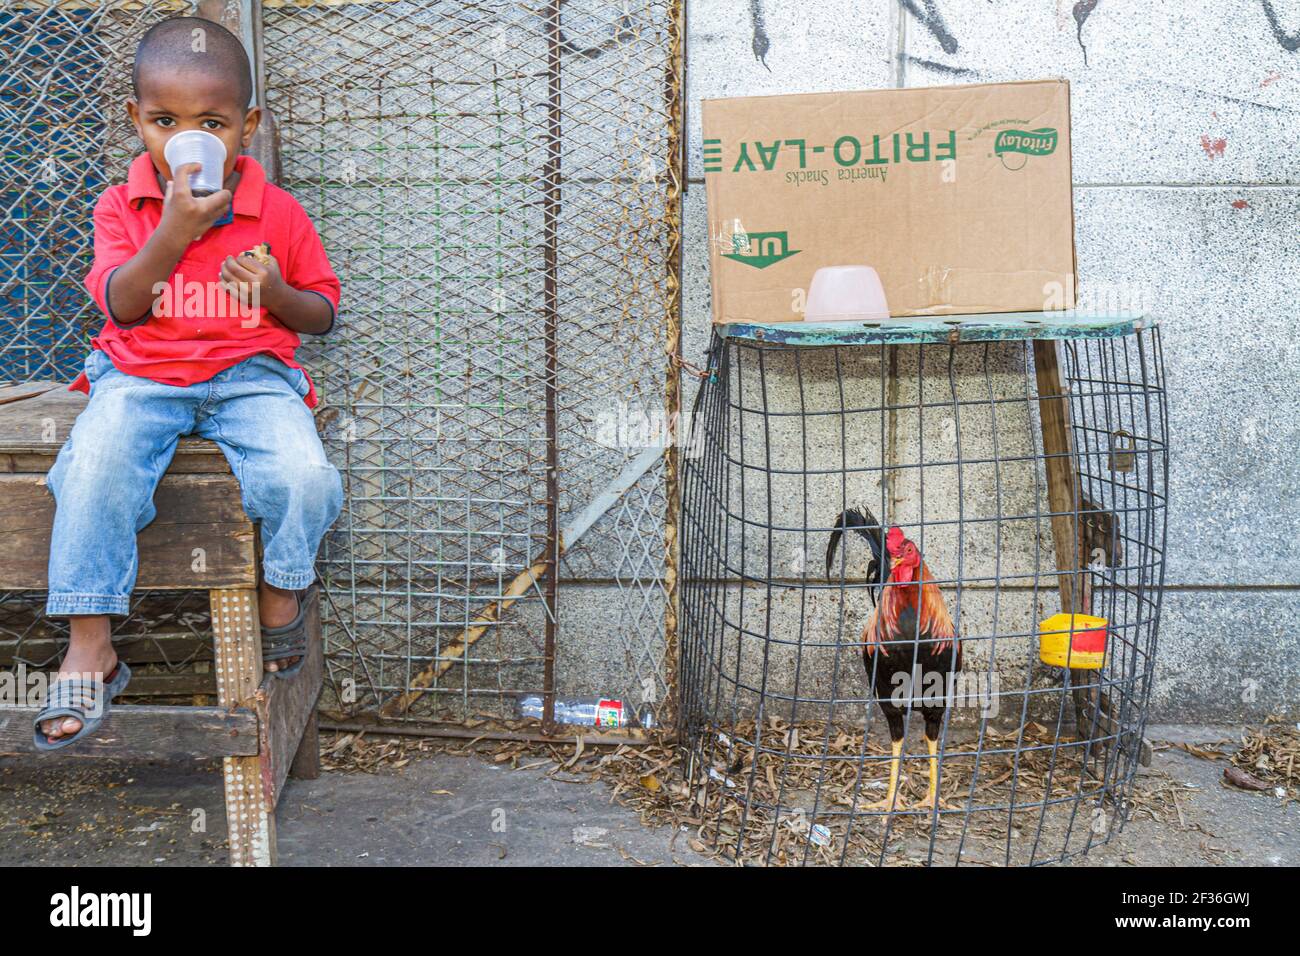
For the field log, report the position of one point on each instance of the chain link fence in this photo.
(66, 137)
(496, 184)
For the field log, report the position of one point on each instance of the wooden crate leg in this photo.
(306, 760)
(250, 810)
(1062, 482)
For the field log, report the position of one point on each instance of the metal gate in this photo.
(497, 185)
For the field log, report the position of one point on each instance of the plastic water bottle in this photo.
(583, 711)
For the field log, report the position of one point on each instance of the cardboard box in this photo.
(958, 196)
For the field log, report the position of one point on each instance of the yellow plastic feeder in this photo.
(1072, 640)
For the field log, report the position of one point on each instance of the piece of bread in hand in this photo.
(261, 252)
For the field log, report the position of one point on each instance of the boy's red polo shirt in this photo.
(203, 330)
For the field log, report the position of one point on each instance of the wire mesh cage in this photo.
(879, 525)
(498, 186)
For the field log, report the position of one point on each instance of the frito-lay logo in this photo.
(1030, 142)
(760, 249)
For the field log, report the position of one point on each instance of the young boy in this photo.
(199, 339)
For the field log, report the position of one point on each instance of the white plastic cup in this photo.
(198, 146)
(846, 294)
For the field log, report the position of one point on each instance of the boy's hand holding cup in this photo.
(186, 216)
(195, 197)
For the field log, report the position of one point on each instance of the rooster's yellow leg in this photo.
(888, 803)
(932, 794)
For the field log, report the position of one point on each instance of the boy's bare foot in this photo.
(276, 608)
(90, 651)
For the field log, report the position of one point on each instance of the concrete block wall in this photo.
(1187, 189)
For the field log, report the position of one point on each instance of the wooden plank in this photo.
(143, 649)
(257, 56)
(250, 806)
(23, 391)
(193, 678)
(306, 760)
(240, 17)
(147, 732)
(34, 429)
(1062, 483)
(184, 684)
(290, 704)
(265, 147)
(41, 423)
(194, 512)
(193, 457)
(1071, 542)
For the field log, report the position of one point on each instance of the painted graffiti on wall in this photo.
(1082, 10)
(932, 20)
(760, 43)
(1288, 41)
(929, 15)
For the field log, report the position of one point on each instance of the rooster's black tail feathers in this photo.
(865, 525)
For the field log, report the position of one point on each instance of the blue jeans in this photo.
(104, 478)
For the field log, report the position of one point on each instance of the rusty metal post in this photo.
(674, 84)
(550, 218)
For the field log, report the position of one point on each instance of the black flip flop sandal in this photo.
(78, 698)
(290, 640)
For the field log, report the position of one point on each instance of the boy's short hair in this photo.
(170, 45)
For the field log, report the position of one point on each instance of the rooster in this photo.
(908, 624)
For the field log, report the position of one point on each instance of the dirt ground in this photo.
(409, 801)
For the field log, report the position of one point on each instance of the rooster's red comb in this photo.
(894, 541)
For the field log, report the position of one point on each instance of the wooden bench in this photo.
(263, 727)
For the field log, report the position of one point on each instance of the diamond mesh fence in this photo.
(66, 137)
(496, 184)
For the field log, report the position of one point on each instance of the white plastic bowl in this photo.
(845, 294)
